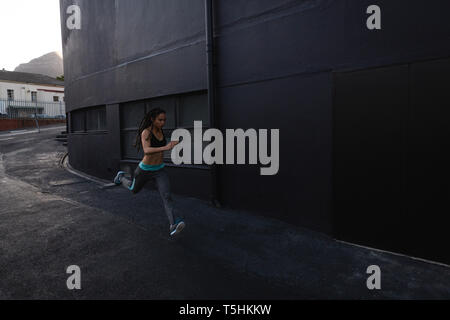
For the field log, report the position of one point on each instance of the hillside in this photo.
(50, 64)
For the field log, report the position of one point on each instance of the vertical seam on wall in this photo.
(332, 204)
(405, 147)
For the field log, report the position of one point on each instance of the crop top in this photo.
(155, 143)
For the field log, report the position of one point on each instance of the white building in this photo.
(21, 92)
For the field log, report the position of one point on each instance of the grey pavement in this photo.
(51, 218)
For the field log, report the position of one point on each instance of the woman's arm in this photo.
(146, 146)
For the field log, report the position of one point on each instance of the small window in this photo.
(193, 108)
(55, 99)
(88, 120)
(78, 121)
(10, 94)
(96, 119)
(34, 96)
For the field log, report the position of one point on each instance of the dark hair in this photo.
(146, 122)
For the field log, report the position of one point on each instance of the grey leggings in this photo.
(162, 183)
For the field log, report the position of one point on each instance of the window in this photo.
(193, 108)
(181, 110)
(78, 121)
(55, 99)
(96, 119)
(10, 94)
(88, 120)
(34, 96)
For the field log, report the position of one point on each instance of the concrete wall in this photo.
(13, 124)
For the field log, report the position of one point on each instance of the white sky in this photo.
(28, 29)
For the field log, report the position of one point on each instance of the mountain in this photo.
(50, 64)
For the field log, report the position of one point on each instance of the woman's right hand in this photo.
(171, 145)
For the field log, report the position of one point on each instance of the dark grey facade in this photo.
(354, 106)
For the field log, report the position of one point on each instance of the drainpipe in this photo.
(211, 90)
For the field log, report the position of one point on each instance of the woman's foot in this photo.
(177, 227)
(117, 179)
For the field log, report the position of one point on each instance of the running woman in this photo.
(153, 141)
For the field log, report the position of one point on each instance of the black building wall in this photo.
(276, 67)
(391, 174)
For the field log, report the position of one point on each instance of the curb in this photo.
(28, 130)
(64, 163)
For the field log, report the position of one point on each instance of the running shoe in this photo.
(177, 227)
(117, 179)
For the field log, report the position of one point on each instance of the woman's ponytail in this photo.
(146, 122)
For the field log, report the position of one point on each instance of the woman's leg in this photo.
(126, 182)
(137, 183)
(163, 185)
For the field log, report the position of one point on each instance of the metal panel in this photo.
(428, 188)
(300, 107)
(369, 131)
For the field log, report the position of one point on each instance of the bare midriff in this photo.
(153, 159)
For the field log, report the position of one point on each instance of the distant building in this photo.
(22, 91)
(30, 86)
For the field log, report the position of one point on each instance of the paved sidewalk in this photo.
(50, 219)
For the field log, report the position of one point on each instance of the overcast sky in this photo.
(28, 30)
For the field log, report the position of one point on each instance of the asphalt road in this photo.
(51, 219)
